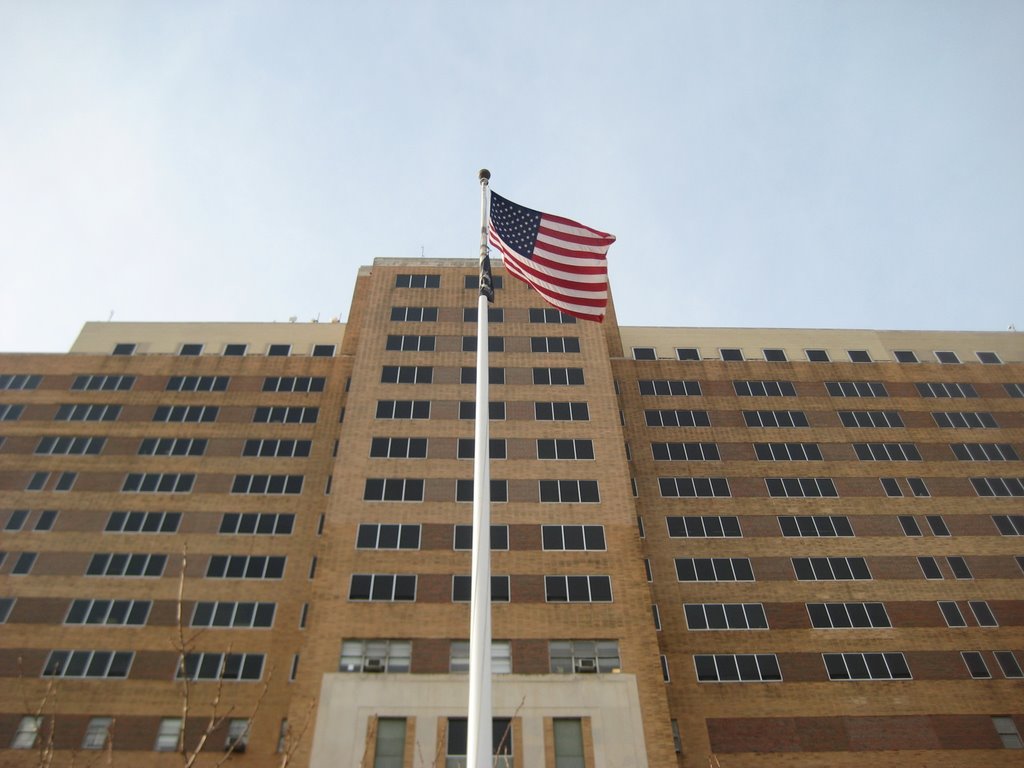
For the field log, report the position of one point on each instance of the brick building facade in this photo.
(758, 546)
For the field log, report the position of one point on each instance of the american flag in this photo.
(563, 260)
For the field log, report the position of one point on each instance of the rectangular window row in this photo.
(260, 523)
(663, 387)
(198, 383)
(787, 451)
(294, 384)
(815, 525)
(764, 388)
(70, 446)
(704, 526)
(230, 614)
(21, 381)
(245, 567)
(81, 412)
(879, 419)
(774, 419)
(856, 389)
(126, 564)
(186, 413)
(676, 418)
(414, 314)
(685, 452)
(277, 448)
(103, 383)
(88, 664)
(151, 482)
(984, 452)
(267, 484)
(120, 613)
(887, 452)
(281, 414)
(220, 666)
(143, 522)
(964, 420)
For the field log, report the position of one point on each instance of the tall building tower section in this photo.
(761, 547)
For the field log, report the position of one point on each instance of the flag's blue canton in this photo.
(517, 226)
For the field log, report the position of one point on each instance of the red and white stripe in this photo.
(568, 269)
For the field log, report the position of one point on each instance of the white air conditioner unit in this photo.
(373, 665)
(586, 665)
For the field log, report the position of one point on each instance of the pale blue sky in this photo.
(797, 164)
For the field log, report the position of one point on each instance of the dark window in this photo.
(773, 419)
(549, 315)
(578, 589)
(737, 668)
(565, 449)
(245, 567)
(677, 418)
(775, 355)
(701, 616)
(787, 451)
(464, 490)
(561, 411)
(644, 353)
(323, 350)
(124, 349)
(267, 484)
(494, 315)
(815, 525)
(110, 612)
(388, 536)
(713, 569)
(567, 491)
(464, 537)
(143, 522)
(573, 537)
(687, 353)
(817, 355)
(279, 350)
(905, 356)
(473, 281)
(564, 344)
(494, 375)
(382, 586)
(732, 354)
(764, 388)
(261, 523)
(705, 526)
(417, 281)
(294, 384)
(393, 489)
(848, 615)
(945, 389)
(462, 587)
(866, 666)
(801, 487)
(856, 389)
(668, 387)
(830, 568)
(190, 350)
(975, 664)
(859, 356)
(466, 448)
(398, 448)
(235, 350)
(571, 377)
(496, 410)
(403, 409)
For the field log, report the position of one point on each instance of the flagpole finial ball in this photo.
(484, 174)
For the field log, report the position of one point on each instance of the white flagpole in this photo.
(478, 740)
